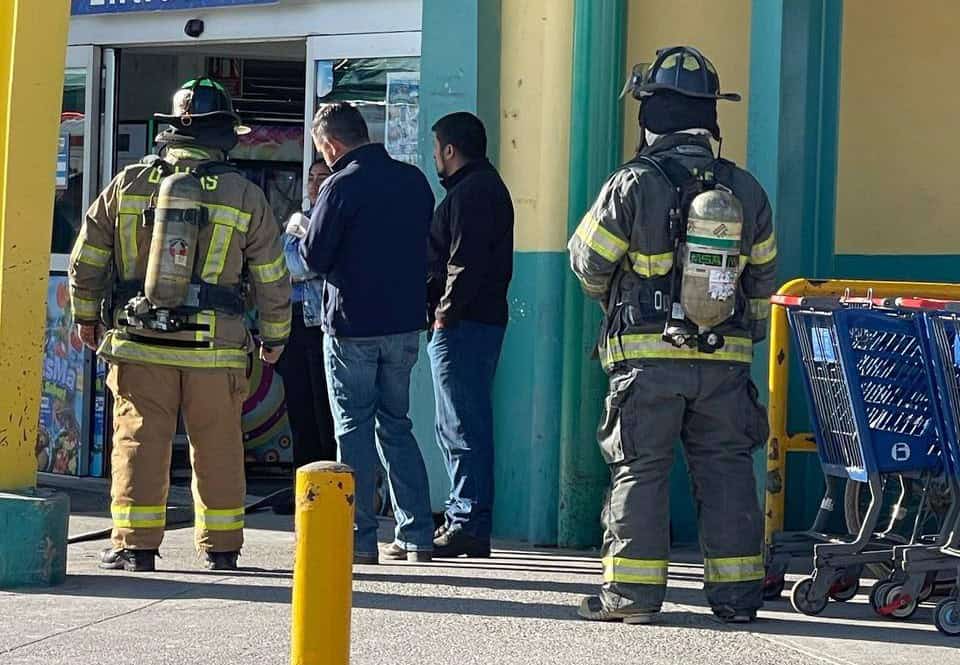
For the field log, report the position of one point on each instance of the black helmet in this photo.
(199, 98)
(682, 69)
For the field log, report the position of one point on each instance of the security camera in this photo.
(193, 28)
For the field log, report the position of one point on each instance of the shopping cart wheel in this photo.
(844, 589)
(895, 606)
(877, 594)
(946, 616)
(773, 588)
(802, 601)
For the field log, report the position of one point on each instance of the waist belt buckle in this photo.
(193, 296)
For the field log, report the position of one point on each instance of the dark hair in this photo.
(341, 121)
(465, 132)
(319, 161)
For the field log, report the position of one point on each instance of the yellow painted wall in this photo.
(719, 28)
(535, 83)
(899, 131)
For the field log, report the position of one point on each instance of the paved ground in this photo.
(514, 608)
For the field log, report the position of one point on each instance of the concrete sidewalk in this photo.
(517, 607)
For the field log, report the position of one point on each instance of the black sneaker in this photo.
(395, 552)
(454, 542)
(221, 560)
(592, 609)
(133, 561)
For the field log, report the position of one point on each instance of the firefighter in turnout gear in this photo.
(679, 251)
(166, 258)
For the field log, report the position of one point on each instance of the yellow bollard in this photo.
(323, 568)
(33, 42)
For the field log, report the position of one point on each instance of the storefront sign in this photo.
(82, 7)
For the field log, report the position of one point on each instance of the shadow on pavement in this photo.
(548, 586)
(156, 588)
(231, 588)
(461, 606)
(878, 630)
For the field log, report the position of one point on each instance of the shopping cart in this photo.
(920, 564)
(873, 405)
(786, 546)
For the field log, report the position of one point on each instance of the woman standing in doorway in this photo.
(301, 364)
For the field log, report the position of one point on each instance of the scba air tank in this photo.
(173, 245)
(711, 258)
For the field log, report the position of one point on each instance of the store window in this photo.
(68, 199)
(387, 92)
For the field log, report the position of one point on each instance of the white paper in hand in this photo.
(297, 226)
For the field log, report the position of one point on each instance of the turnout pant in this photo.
(147, 399)
(712, 408)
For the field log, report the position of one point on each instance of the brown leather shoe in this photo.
(395, 552)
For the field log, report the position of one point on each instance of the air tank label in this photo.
(723, 284)
(178, 250)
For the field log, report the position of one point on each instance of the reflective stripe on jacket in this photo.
(240, 239)
(622, 253)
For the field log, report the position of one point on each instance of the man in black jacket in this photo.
(471, 262)
(367, 239)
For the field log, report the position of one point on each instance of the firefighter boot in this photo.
(592, 609)
(727, 614)
(133, 561)
(221, 560)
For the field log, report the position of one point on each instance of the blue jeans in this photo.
(463, 360)
(368, 380)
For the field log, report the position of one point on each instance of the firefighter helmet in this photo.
(199, 98)
(681, 69)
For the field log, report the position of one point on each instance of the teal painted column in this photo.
(792, 150)
(793, 125)
(459, 69)
(595, 144)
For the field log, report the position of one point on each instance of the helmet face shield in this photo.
(635, 79)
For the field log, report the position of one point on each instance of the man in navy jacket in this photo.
(367, 239)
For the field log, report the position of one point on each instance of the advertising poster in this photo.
(266, 430)
(59, 448)
(403, 116)
(98, 440)
(270, 144)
